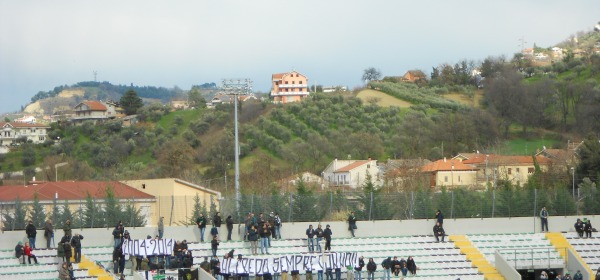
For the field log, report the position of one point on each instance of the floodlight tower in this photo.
(237, 87)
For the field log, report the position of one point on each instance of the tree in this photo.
(371, 74)
(56, 213)
(591, 197)
(16, 220)
(65, 215)
(304, 205)
(196, 99)
(37, 214)
(589, 158)
(131, 102)
(92, 214)
(132, 216)
(504, 96)
(112, 208)
(197, 210)
(28, 157)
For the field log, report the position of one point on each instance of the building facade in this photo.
(14, 132)
(351, 173)
(289, 87)
(95, 111)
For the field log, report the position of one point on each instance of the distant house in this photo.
(493, 167)
(26, 119)
(74, 194)
(179, 104)
(94, 111)
(351, 173)
(450, 173)
(289, 87)
(11, 132)
(306, 177)
(414, 76)
(228, 99)
(528, 52)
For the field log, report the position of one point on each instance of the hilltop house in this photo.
(30, 132)
(493, 167)
(414, 76)
(351, 173)
(289, 87)
(450, 173)
(95, 111)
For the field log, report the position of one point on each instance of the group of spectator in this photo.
(262, 229)
(395, 266)
(584, 227)
(319, 234)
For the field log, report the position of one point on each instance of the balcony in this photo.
(293, 86)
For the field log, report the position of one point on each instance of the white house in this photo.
(12, 131)
(351, 173)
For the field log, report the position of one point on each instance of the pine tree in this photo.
(213, 206)
(67, 215)
(113, 211)
(16, 220)
(197, 210)
(56, 213)
(92, 214)
(131, 102)
(37, 213)
(304, 204)
(132, 216)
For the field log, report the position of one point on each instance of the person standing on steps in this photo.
(161, 227)
(217, 222)
(67, 228)
(352, 223)
(319, 235)
(76, 244)
(31, 232)
(201, 222)
(229, 224)
(327, 234)
(310, 238)
(439, 217)
(544, 219)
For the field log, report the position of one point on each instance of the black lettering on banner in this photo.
(276, 265)
(289, 261)
(124, 247)
(153, 246)
(136, 247)
(298, 262)
(306, 265)
(142, 248)
(313, 262)
(265, 266)
(245, 264)
(161, 246)
(334, 261)
(259, 266)
(354, 259)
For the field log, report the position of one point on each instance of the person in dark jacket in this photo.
(358, 269)
(265, 232)
(20, 252)
(319, 235)
(387, 268)
(253, 238)
(579, 227)
(410, 264)
(403, 267)
(118, 233)
(352, 223)
(439, 217)
(49, 232)
(395, 266)
(229, 224)
(66, 243)
(31, 232)
(371, 268)
(216, 223)
(310, 238)
(587, 228)
(214, 245)
(438, 231)
(327, 235)
(67, 228)
(201, 222)
(76, 243)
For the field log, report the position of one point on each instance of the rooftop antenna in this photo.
(95, 75)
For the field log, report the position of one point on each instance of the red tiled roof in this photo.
(447, 165)
(68, 190)
(278, 76)
(352, 166)
(20, 124)
(94, 105)
(506, 160)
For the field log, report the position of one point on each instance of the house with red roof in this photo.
(351, 173)
(289, 87)
(13, 132)
(95, 111)
(494, 167)
(74, 194)
(450, 173)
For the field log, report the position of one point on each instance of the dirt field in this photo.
(464, 99)
(383, 100)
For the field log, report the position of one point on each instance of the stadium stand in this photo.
(587, 248)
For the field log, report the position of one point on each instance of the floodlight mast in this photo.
(237, 87)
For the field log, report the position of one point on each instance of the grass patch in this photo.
(474, 101)
(524, 147)
(383, 99)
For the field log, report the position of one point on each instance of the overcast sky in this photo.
(44, 44)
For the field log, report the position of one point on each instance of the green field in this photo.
(383, 99)
(524, 147)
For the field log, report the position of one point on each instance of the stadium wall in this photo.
(103, 236)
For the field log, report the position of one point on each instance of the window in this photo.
(286, 82)
(459, 178)
(518, 170)
(509, 171)
(300, 82)
(293, 82)
(446, 179)
(530, 170)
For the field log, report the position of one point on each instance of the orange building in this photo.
(289, 87)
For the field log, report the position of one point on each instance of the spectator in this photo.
(205, 265)
(598, 274)
(265, 232)
(439, 217)
(358, 269)
(49, 232)
(543, 275)
(544, 218)
(71, 271)
(319, 234)
(188, 259)
(278, 225)
(587, 227)
(31, 232)
(327, 234)
(387, 265)
(253, 238)
(66, 243)
(578, 276)
(411, 266)
(118, 233)
(352, 223)
(261, 220)
(395, 266)
(214, 245)
(20, 252)
(371, 268)
(215, 266)
(579, 227)
(310, 235)
(271, 222)
(115, 259)
(216, 223)
(438, 231)
(67, 228)
(201, 222)
(403, 267)
(229, 224)
(161, 227)
(76, 243)
(567, 276)
(338, 273)
(63, 272)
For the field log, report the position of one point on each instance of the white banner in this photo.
(302, 263)
(147, 247)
